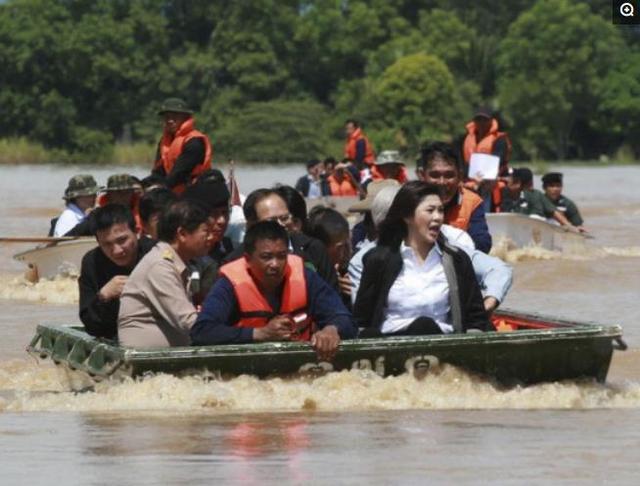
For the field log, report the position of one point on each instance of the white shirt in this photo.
(421, 289)
(70, 217)
(315, 190)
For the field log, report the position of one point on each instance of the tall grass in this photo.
(22, 151)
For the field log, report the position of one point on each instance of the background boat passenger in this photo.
(269, 205)
(314, 184)
(155, 306)
(389, 165)
(332, 229)
(297, 207)
(440, 165)
(413, 282)
(522, 198)
(494, 276)
(183, 152)
(342, 182)
(552, 186)
(214, 197)
(150, 207)
(358, 149)
(105, 269)
(80, 198)
(269, 295)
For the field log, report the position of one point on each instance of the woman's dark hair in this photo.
(393, 228)
(106, 216)
(327, 224)
(249, 206)
(154, 201)
(296, 204)
(440, 151)
(264, 230)
(186, 214)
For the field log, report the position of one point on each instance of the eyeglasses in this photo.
(282, 219)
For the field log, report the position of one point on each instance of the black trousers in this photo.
(421, 326)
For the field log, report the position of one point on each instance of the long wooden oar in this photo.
(36, 239)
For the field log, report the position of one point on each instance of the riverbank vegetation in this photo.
(274, 80)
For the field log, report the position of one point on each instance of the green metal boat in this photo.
(527, 349)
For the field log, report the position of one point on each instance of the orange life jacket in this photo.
(459, 215)
(376, 175)
(344, 188)
(485, 146)
(171, 148)
(350, 147)
(103, 200)
(255, 311)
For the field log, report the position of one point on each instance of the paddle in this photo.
(36, 239)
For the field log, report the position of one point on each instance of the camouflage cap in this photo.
(81, 185)
(175, 105)
(121, 182)
(389, 157)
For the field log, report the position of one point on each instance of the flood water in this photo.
(346, 428)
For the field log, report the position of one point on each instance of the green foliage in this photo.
(552, 64)
(274, 131)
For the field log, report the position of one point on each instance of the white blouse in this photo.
(421, 289)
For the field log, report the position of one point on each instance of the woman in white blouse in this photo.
(413, 282)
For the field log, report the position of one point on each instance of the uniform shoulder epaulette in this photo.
(167, 255)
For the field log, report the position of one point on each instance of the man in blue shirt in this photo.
(269, 295)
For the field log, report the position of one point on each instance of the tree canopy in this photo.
(275, 79)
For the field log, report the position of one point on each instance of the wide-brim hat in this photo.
(81, 185)
(373, 189)
(387, 157)
(174, 105)
(121, 182)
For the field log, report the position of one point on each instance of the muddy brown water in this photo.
(349, 427)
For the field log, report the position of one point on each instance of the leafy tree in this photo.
(552, 64)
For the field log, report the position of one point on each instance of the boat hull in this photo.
(61, 258)
(523, 231)
(563, 351)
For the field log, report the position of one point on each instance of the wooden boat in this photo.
(533, 349)
(57, 258)
(522, 231)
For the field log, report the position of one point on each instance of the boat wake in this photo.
(62, 289)
(28, 387)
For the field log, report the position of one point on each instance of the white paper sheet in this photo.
(484, 166)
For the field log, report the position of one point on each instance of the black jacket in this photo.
(100, 319)
(303, 184)
(382, 265)
(311, 250)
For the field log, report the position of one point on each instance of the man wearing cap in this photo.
(389, 165)
(80, 197)
(314, 184)
(123, 189)
(183, 152)
(552, 185)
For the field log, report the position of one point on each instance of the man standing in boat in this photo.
(105, 269)
(183, 152)
(358, 148)
(269, 295)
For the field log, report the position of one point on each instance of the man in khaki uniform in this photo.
(155, 306)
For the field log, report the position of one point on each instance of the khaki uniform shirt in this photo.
(155, 308)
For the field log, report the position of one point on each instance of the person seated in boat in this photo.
(105, 269)
(494, 276)
(413, 282)
(364, 231)
(80, 198)
(314, 184)
(552, 186)
(269, 294)
(389, 165)
(524, 199)
(269, 205)
(213, 196)
(151, 206)
(342, 181)
(332, 229)
(156, 309)
(440, 165)
(297, 207)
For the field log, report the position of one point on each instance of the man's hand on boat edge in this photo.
(325, 342)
